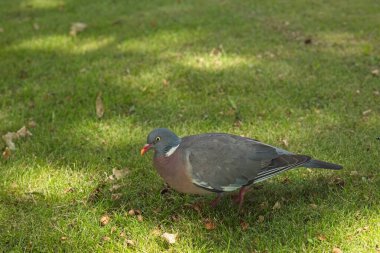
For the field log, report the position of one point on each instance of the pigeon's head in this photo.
(163, 141)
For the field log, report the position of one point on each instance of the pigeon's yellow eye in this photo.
(158, 138)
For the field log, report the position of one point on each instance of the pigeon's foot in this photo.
(239, 198)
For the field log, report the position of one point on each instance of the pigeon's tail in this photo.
(321, 165)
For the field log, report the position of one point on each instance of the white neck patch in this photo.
(171, 151)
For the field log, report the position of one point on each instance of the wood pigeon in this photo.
(219, 162)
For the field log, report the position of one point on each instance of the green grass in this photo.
(53, 188)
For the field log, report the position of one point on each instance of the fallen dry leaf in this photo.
(264, 205)
(337, 250)
(116, 196)
(375, 72)
(314, 206)
(155, 232)
(9, 138)
(131, 212)
(77, 28)
(106, 238)
(195, 206)
(217, 51)
(115, 187)
(285, 142)
(209, 224)
(23, 132)
(119, 174)
(261, 219)
(337, 181)
(99, 106)
(68, 190)
(321, 237)
(32, 124)
(140, 218)
(376, 93)
(63, 238)
(363, 229)
(366, 112)
(244, 225)
(169, 238)
(354, 173)
(104, 220)
(122, 234)
(129, 243)
(6, 153)
(276, 206)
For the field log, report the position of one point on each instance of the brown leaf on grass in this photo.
(375, 72)
(196, 207)
(10, 137)
(23, 132)
(354, 173)
(129, 243)
(277, 205)
(337, 181)
(264, 205)
(313, 206)
(104, 220)
(363, 229)
(116, 196)
(209, 224)
(285, 142)
(99, 106)
(366, 112)
(321, 237)
(32, 124)
(122, 234)
(106, 238)
(68, 190)
(376, 93)
(77, 28)
(63, 238)
(132, 212)
(337, 250)
(244, 225)
(115, 187)
(155, 232)
(119, 174)
(6, 153)
(140, 218)
(261, 219)
(217, 51)
(169, 238)
(165, 83)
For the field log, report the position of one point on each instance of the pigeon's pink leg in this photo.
(216, 201)
(240, 197)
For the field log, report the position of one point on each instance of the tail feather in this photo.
(322, 165)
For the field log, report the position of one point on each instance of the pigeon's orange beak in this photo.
(145, 148)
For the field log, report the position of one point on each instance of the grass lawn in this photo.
(302, 75)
